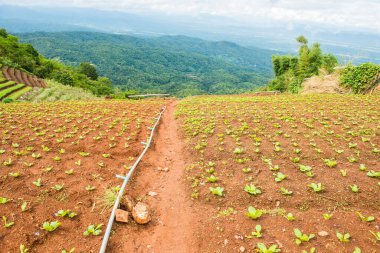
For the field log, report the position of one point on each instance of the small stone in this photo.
(239, 237)
(242, 249)
(277, 203)
(129, 202)
(140, 213)
(152, 194)
(323, 233)
(225, 242)
(122, 216)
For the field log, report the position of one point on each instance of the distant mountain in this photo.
(175, 64)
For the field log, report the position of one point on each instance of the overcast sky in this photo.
(342, 13)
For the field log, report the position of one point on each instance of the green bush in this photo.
(7, 100)
(360, 78)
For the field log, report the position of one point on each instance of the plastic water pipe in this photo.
(126, 179)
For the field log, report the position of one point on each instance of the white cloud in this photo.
(343, 13)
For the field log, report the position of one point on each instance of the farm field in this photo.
(57, 160)
(295, 173)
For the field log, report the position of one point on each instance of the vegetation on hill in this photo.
(171, 64)
(291, 71)
(57, 91)
(25, 57)
(360, 78)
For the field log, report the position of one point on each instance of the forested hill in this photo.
(176, 64)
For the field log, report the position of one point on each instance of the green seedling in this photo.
(295, 159)
(94, 230)
(84, 154)
(290, 217)
(62, 151)
(6, 223)
(37, 156)
(343, 173)
(252, 189)
(238, 150)
(38, 183)
(316, 187)
(262, 248)
(362, 167)
(257, 233)
(285, 191)
(331, 163)
(354, 188)
(90, 188)
(63, 213)
(312, 250)
(45, 149)
(327, 216)
(78, 163)
(23, 249)
(58, 187)
(8, 162)
(365, 218)
(345, 237)
(247, 170)
(274, 167)
(302, 237)
(69, 172)
(373, 173)
(51, 226)
(357, 250)
(352, 159)
(305, 168)
(24, 206)
(4, 200)
(280, 177)
(218, 191)
(376, 235)
(14, 174)
(71, 251)
(254, 213)
(212, 179)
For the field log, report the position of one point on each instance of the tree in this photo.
(89, 70)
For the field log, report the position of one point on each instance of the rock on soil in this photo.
(140, 213)
(122, 216)
(129, 202)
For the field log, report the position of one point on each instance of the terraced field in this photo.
(15, 83)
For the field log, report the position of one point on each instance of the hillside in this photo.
(178, 65)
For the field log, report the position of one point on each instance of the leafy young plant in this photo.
(365, 218)
(217, 190)
(290, 217)
(376, 235)
(316, 187)
(4, 200)
(257, 233)
(354, 188)
(280, 177)
(327, 216)
(23, 249)
(51, 226)
(63, 213)
(271, 249)
(285, 191)
(254, 213)
(373, 173)
(212, 179)
(331, 163)
(6, 223)
(252, 189)
(94, 230)
(302, 237)
(345, 237)
(58, 187)
(38, 182)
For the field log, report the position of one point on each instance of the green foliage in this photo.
(51, 226)
(94, 230)
(25, 57)
(290, 71)
(360, 78)
(89, 70)
(177, 65)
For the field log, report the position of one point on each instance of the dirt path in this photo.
(172, 226)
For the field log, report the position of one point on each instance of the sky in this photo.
(355, 14)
